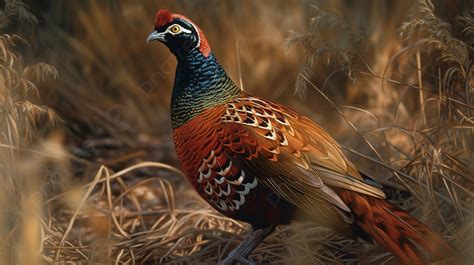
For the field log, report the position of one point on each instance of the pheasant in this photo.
(262, 163)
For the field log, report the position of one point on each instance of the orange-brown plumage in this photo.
(292, 157)
(265, 164)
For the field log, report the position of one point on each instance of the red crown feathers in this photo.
(163, 17)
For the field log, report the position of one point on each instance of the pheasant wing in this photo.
(292, 156)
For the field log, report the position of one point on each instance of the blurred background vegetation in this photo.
(84, 109)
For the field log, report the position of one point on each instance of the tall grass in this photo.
(23, 122)
(392, 80)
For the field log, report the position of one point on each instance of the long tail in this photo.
(395, 229)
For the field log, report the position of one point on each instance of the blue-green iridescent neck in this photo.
(200, 83)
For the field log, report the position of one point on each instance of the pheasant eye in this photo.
(175, 29)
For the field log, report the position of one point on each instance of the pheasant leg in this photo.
(240, 254)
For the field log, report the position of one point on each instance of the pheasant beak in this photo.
(155, 35)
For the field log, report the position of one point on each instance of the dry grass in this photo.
(393, 82)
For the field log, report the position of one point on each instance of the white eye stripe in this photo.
(181, 29)
(198, 36)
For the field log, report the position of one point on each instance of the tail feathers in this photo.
(394, 229)
(420, 233)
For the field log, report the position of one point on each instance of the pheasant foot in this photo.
(240, 254)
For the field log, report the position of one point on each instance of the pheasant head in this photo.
(200, 82)
(179, 34)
